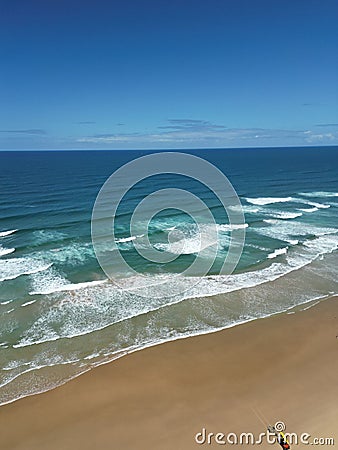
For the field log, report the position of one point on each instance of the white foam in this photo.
(47, 236)
(198, 238)
(245, 208)
(97, 307)
(277, 252)
(45, 281)
(73, 254)
(15, 267)
(311, 306)
(6, 302)
(262, 201)
(6, 251)
(258, 247)
(28, 303)
(318, 205)
(32, 366)
(7, 233)
(319, 194)
(67, 287)
(187, 246)
(309, 210)
(293, 241)
(286, 215)
(233, 226)
(92, 356)
(286, 230)
(272, 221)
(268, 200)
(152, 340)
(322, 245)
(127, 239)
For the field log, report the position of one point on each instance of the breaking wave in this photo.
(6, 251)
(278, 252)
(16, 267)
(7, 233)
(268, 200)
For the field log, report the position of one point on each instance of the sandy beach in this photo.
(168, 225)
(283, 368)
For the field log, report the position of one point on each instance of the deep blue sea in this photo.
(61, 315)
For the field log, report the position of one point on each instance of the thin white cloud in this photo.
(205, 134)
(313, 137)
(33, 131)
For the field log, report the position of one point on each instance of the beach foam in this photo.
(278, 252)
(293, 241)
(319, 194)
(228, 227)
(51, 281)
(47, 236)
(6, 251)
(71, 254)
(286, 230)
(263, 201)
(268, 200)
(309, 210)
(127, 239)
(16, 267)
(245, 208)
(285, 215)
(31, 366)
(28, 303)
(96, 307)
(67, 287)
(7, 233)
(186, 246)
(317, 205)
(197, 238)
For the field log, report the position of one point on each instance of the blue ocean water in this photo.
(60, 316)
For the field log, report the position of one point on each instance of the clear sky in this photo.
(117, 74)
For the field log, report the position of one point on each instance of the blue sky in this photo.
(168, 74)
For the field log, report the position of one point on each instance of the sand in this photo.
(284, 367)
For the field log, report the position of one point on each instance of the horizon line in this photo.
(162, 149)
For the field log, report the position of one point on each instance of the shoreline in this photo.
(125, 352)
(282, 365)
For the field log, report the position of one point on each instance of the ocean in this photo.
(62, 313)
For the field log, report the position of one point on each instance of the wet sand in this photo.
(284, 368)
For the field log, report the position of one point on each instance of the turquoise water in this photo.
(60, 316)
